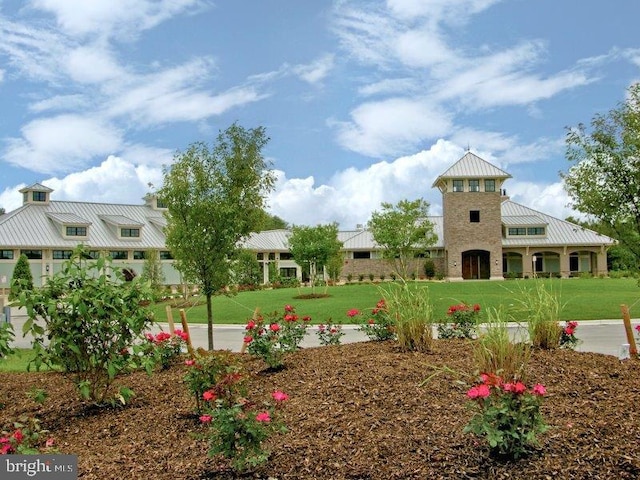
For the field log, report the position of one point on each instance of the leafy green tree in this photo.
(152, 272)
(247, 269)
(91, 319)
(619, 257)
(22, 278)
(272, 222)
(314, 247)
(215, 198)
(604, 180)
(334, 266)
(402, 230)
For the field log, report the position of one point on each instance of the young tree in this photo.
(22, 278)
(247, 269)
(314, 247)
(152, 271)
(604, 181)
(402, 230)
(215, 198)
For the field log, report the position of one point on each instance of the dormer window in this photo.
(36, 193)
(39, 196)
(130, 232)
(76, 231)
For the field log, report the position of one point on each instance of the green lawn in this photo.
(16, 362)
(583, 299)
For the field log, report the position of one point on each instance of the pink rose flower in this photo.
(353, 312)
(209, 395)
(519, 388)
(538, 389)
(189, 362)
(250, 325)
(263, 417)
(274, 327)
(279, 396)
(206, 418)
(248, 339)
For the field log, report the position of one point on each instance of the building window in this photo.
(458, 186)
(138, 254)
(272, 256)
(39, 196)
(6, 254)
(288, 272)
(119, 254)
(474, 185)
(474, 216)
(260, 256)
(535, 231)
(94, 254)
(32, 254)
(360, 255)
(130, 232)
(165, 255)
(62, 254)
(489, 185)
(286, 256)
(517, 231)
(160, 204)
(74, 231)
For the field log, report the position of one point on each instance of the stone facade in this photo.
(472, 222)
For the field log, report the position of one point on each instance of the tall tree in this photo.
(152, 272)
(22, 278)
(604, 180)
(215, 198)
(273, 222)
(402, 230)
(314, 247)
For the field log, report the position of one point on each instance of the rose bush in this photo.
(461, 322)
(507, 415)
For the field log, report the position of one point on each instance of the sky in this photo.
(364, 102)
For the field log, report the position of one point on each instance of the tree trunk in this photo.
(209, 322)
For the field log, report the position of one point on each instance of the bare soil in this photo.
(355, 411)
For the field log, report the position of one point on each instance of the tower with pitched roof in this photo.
(472, 195)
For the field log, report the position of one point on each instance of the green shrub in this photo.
(429, 268)
(92, 320)
(22, 278)
(495, 353)
(413, 316)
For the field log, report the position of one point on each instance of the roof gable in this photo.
(472, 166)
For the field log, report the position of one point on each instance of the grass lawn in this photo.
(583, 299)
(16, 362)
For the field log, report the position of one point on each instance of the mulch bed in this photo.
(355, 411)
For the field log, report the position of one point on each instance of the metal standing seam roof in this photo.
(68, 218)
(559, 232)
(32, 226)
(268, 241)
(471, 166)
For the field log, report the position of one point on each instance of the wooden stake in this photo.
(170, 319)
(256, 314)
(185, 327)
(626, 318)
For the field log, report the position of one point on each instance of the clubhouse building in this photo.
(481, 235)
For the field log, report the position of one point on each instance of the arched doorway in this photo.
(475, 265)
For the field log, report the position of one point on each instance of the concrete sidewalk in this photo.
(598, 336)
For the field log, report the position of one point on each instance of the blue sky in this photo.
(364, 101)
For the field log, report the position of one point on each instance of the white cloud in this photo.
(113, 17)
(1, 75)
(92, 64)
(352, 195)
(422, 48)
(61, 143)
(390, 86)
(551, 199)
(60, 102)
(113, 181)
(454, 11)
(315, 71)
(392, 126)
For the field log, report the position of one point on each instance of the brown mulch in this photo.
(355, 411)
